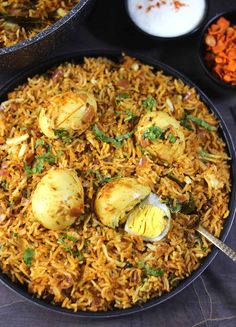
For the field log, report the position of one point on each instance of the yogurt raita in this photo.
(166, 18)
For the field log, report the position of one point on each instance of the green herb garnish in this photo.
(201, 122)
(172, 138)
(63, 135)
(185, 123)
(117, 141)
(203, 154)
(102, 179)
(47, 156)
(151, 271)
(188, 207)
(153, 133)
(149, 103)
(4, 185)
(28, 256)
(123, 137)
(122, 96)
(15, 234)
(39, 142)
(176, 180)
(176, 208)
(62, 240)
(130, 115)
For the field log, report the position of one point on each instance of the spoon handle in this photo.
(222, 246)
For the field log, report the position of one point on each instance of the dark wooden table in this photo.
(211, 300)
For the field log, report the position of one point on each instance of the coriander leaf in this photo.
(130, 115)
(123, 137)
(39, 142)
(38, 165)
(122, 96)
(4, 185)
(63, 238)
(102, 137)
(15, 234)
(71, 238)
(173, 208)
(152, 133)
(149, 103)
(110, 179)
(203, 154)
(63, 135)
(172, 138)
(201, 122)
(28, 169)
(150, 271)
(185, 123)
(117, 141)
(176, 208)
(28, 256)
(102, 179)
(188, 207)
(176, 180)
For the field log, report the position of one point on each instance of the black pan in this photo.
(32, 50)
(116, 56)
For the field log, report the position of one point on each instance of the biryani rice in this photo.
(15, 15)
(113, 269)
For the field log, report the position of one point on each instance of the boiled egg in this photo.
(70, 111)
(161, 135)
(150, 219)
(58, 199)
(116, 198)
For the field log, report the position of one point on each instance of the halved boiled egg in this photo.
(150, 219)
(161, 135)
(72, 111)
(116, 198)
(58, 199)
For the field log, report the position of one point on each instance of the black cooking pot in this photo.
(116, 56)
(32, 50)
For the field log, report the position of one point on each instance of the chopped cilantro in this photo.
(62, 240)
(201, 122)
(130, 115)
(151, 271)
(149, 103)
(117, 141)
(102, 179)
(172, 138)
(38, 165)
(63, 135)
(28, 256)
(123, 137)
(39, 142)
(4, 185)
(185, 123)
(122, 96)
(153, 133)
(15, 234)
(176, 208)
(203, 154)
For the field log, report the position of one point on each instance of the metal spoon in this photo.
(222, 246)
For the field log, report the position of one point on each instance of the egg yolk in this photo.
(148, 221)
